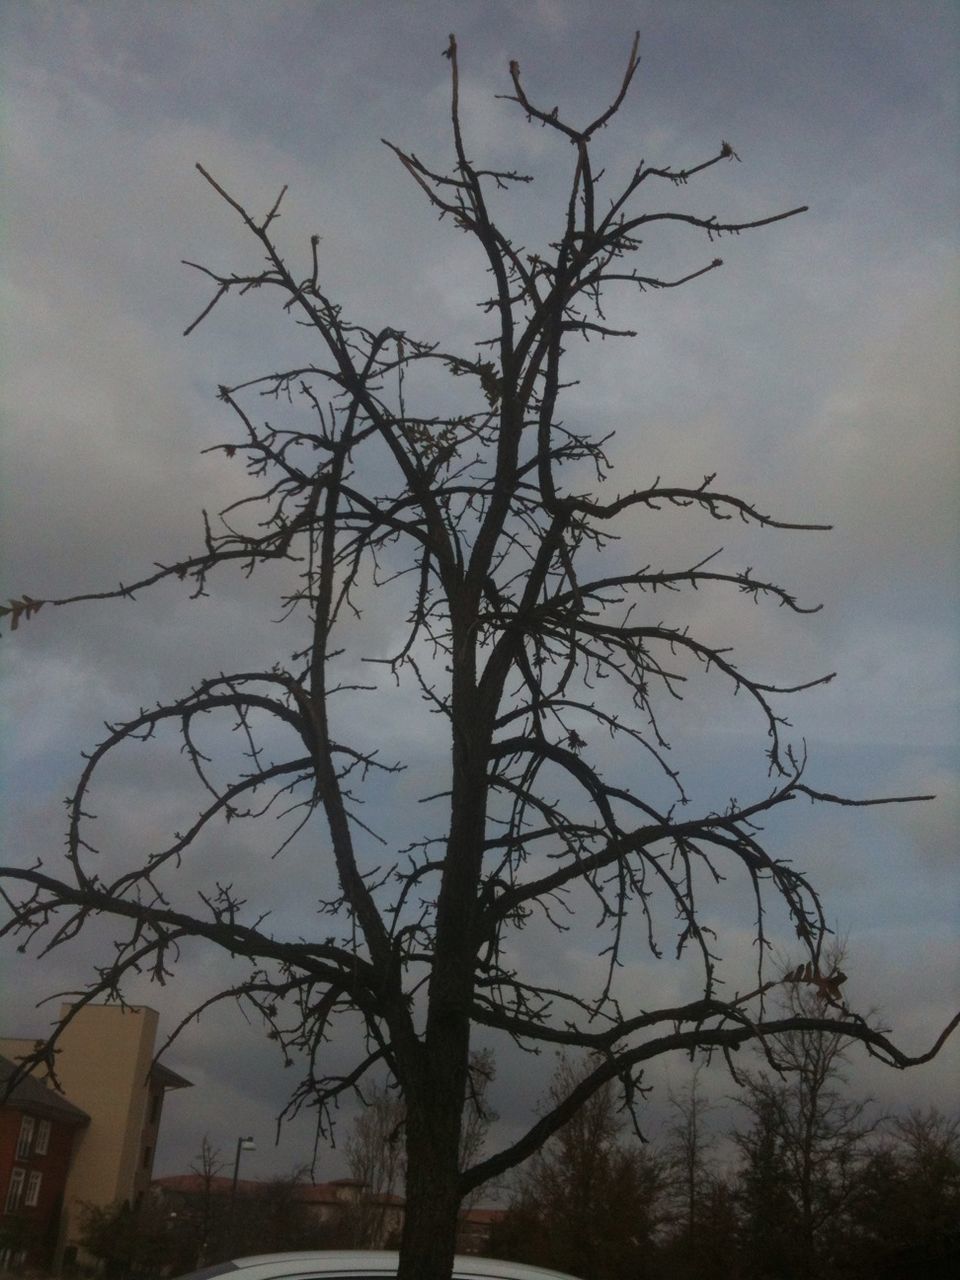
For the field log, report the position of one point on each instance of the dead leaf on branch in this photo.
(23, 608)
(491, 384)
(827, 985)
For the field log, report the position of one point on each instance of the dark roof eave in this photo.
(162, 1075)
(38, 1099)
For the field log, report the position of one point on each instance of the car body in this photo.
(358, 1264)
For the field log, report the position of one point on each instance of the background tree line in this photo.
(155, 1239)
(807, 1181)
(213, 1223)
(622, 1209)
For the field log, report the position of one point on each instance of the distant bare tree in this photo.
(376, 1153)
(211, 1211)
(457, 483)
(905, 1215)
(478, 1115)
(807, 1138)
(589, 1201)
(375, 1156)
(687, 1142)
(274, 1217)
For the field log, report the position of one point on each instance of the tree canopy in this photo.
(512, 633)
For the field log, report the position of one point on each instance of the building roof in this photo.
(483, 1217)
(168, 1079)
(37, 1098)
(192, 1184)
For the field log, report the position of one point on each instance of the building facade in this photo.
(105, 1066)
(39, 1130)
(214, 1210)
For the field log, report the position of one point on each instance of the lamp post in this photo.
(243, 1144)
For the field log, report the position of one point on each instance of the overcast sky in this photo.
(816, 373)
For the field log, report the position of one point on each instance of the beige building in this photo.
(105, 1067)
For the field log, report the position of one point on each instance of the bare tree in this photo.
(687, 1144)
(209, 1218)
(589, 1201)
(905, 1218)
(375, 1154)
(806, 1142)
(768, 1211)
(688, 1141)
(375, 1148)
(478, 1114)
(530, 642)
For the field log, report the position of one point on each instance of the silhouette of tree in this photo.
(127, 1240)
(905, 1216)
(446, 490)
(768, 1211)
(703, 1217)
(688, 1141)
(205, 1225)
(590, 1201)
(375, 1156)
(805, 1145)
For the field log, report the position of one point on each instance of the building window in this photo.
(42, 1144)
(25, 1140)
(15, 1190)
(31, 1199)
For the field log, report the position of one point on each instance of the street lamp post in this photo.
(243, 1144)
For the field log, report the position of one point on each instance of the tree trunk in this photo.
(429, 1239)
(436, 1090)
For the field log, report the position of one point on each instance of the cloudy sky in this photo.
(817, 374)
